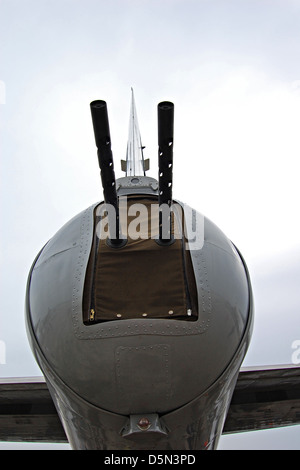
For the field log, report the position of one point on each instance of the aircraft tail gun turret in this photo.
(106, 164)
(120, 334)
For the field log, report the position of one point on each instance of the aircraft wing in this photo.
(27, 412)
(264, 397)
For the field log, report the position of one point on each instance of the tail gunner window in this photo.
(142, 279)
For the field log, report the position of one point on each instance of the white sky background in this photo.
(232, 68)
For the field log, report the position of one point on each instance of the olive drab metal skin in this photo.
(139, 383)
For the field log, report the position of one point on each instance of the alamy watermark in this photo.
(2, 352)
(2, 92)
(141, 221)
(296, 354)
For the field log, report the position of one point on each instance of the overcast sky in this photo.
(232, 68)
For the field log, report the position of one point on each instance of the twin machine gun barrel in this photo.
(165, 114)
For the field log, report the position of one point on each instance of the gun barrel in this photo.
(165, 162)
(100, 122)
(106, 164)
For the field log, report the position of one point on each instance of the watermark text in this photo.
(2, 352)
(296, 354)
(139, 221)
(2, 92)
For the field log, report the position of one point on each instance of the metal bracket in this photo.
(142, 424)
